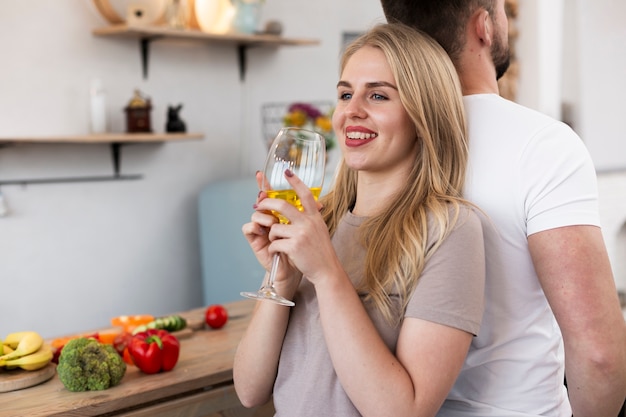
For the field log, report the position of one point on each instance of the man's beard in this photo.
(501, 56)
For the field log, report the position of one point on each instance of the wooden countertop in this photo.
(205, 363)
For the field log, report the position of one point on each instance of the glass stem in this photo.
(273, 271)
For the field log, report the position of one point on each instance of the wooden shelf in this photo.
(105, 138)
(147, 34)
(139, 32)
(115, 142)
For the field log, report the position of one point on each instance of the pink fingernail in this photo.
(288, 173)
(255, 206)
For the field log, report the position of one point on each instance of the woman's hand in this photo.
(257, 231)
(257, 234)
(305, 240)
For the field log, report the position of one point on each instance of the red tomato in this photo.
(216, 316)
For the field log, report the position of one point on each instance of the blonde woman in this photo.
(388, 277)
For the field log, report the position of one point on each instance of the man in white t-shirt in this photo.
(552, 307)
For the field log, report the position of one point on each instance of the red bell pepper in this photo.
(154, 350)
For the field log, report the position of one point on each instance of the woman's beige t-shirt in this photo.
(449, 292)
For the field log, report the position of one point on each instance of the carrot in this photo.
(108, 337)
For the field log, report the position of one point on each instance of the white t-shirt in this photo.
(529, 173)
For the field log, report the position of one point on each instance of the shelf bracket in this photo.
(241, 55)
(115, 158)
(144, 46)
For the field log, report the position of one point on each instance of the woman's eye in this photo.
(377, 96)
(345, 96)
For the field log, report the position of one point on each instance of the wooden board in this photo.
(195, 323)
(16, 379)
(183, 334)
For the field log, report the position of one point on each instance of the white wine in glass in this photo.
(304, 153)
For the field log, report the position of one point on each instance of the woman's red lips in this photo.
(357, 136)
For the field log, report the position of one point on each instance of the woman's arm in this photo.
(414, 381)
(256, 359)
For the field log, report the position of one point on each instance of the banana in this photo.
(23, 343)
(32, 362)
(14, 339)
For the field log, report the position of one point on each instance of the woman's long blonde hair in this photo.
(396, 239)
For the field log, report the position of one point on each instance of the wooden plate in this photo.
(108, 12)
(16, 379)
(115, 11)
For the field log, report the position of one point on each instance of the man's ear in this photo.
(483, 26)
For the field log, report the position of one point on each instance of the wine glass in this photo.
(304, 153)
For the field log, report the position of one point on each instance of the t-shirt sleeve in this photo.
(450, 290)
(559, 182)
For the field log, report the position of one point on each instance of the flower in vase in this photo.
(310, 117)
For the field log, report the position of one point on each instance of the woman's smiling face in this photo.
(373, 129)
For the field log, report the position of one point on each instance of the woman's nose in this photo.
(355, 108)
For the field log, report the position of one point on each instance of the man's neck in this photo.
(477, 77)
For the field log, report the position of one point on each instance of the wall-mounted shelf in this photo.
(115, 142)
(147, 34)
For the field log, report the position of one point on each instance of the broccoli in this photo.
(88, 365)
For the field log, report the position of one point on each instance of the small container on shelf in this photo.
(138, 114)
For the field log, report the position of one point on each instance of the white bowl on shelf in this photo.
(213, 16)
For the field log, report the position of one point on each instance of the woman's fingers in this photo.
(265, 206)
(304, 193)
(259, 179)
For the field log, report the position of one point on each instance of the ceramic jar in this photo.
(247, 16)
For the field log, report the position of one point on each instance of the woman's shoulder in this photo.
(469, 218)
(462, 221)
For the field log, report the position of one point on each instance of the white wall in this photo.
(572, 52)
(540, 50)
(74, 255)
(602, 63)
